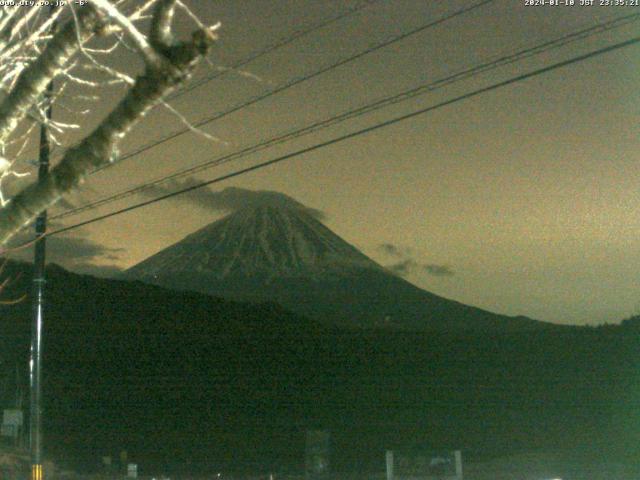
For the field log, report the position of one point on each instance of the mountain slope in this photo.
(282, 253)
(263, 242)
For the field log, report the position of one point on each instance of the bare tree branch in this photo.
(149, 54)
(34, 79)
(5, 283)
(161, 27)
(177, 62)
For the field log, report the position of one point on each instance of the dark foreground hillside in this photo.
(186, 381)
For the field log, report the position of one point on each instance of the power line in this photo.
(270, 48)
(367, 108)
(297, 81)
(363, 131)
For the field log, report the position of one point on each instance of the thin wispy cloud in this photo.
(74, 252)
(230, 199)
(403, 262)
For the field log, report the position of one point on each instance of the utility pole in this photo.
(35, 364)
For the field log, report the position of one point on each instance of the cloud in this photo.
(75, 253)
(403, 268)
(438, 270)
(230, 199)
(404, 262)
(391, 250)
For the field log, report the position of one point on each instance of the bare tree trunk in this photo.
(96, 150)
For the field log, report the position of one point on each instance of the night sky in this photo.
(522, 200)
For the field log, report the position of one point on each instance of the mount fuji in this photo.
(279, 251)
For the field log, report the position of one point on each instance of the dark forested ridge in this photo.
(186, 379)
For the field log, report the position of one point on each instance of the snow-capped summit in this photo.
(266, 241)
(273, 248)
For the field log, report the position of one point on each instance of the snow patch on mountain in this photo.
(277, 239)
